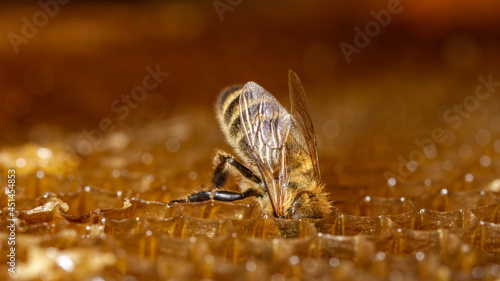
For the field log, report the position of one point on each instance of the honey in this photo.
(122, 226)
(408, 143)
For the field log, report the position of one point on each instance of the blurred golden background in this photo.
(106, 101)
(87, 54)
(69, 65)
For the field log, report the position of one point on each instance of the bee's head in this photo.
(307, 204)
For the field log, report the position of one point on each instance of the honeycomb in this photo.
(81, 223)
(408, 149)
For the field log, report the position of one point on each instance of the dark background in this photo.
(89, 53)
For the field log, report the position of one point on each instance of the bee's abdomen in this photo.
(227, 110)
(226, 107)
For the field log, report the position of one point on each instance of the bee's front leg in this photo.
(219, 195)
(223, 162)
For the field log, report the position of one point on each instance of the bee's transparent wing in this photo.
(302, 119)
(266, 125)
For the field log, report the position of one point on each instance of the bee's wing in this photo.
(266, 126)
(302, 120)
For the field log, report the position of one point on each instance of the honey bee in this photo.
(278, 149)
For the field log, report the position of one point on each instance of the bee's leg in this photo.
(223, 162)
(219, 195)
(222, 195)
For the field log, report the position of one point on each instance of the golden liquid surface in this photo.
(76, 221)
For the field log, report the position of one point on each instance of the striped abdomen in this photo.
(227, 110)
